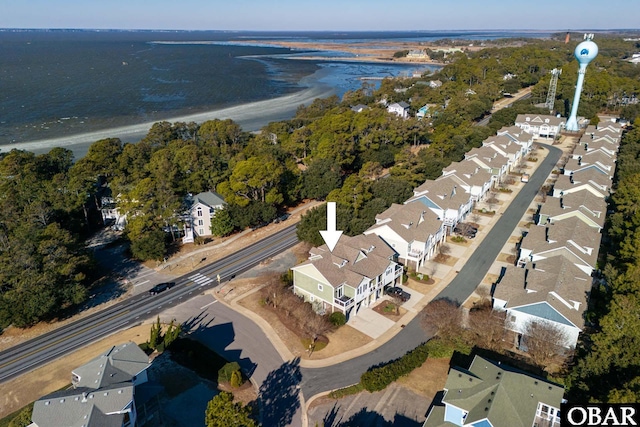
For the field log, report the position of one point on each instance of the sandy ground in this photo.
(378, 51)
(251, 116)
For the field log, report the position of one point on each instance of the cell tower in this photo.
(585, 52)
(553, 85)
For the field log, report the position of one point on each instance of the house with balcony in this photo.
(518, 136)
(550, 291)
(200, 209)
(445, 198)
(572, 238)
(471, 177)
(492, 394)
(508, 148)
(400, 109)
(584, 205)
(491, 161)
(412, 230)
(103, 392)
(541, 126)
(352, 276)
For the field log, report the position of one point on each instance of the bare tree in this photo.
(274, 290)
(316, 325)
(492, 201)
(544, 343)
(487, 327)
(442, 318)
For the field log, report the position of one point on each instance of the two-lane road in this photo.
(50, 346)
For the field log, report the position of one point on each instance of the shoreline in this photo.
(250, 116)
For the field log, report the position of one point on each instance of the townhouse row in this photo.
(557, 257)
(408, 234)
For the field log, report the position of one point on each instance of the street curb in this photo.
(271, 334)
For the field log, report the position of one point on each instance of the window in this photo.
(320, 287)
(199, 212)
(339, 292)
(201, 231)
(312, 298)
(200, 222)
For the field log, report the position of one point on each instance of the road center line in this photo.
(141, 283)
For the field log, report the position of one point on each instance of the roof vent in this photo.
(47, 403)
(61, 400)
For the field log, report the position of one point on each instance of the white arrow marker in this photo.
(331, 235)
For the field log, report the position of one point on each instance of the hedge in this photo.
(379, 377)
(346, 391)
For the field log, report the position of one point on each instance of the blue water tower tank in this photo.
(586, 51)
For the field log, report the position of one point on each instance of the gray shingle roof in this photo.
(209, 198)
(592, 206)
(352, 259)
(542, 281)
(445, 192)
(116, 365)
(541, 240)
(469, 172)
(83, 407)
(411, 222)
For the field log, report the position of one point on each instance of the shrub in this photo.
(23, 419)
(226, 372)
(379, 377)
(458, 239)
(346, 391)
(337, 319)
(236, 379)
(437, 348)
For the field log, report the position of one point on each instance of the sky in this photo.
(319, 15)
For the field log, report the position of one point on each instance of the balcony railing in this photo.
(415, 254)
(344, 301)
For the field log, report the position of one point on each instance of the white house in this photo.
(541, 126)
(472, 178)
(400, 109)
(491, 161)
(201, 208)
(450, 202)
(412, 230)
(552, 290)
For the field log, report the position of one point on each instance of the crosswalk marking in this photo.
(201, 279)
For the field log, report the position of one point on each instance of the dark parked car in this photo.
(161, 287)
(398, 292)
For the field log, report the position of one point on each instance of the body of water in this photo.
(62, 83)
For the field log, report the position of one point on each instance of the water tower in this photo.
(585, 53)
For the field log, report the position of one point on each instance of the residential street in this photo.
(317, 380)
